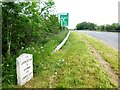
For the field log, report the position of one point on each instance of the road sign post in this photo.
(119, 12)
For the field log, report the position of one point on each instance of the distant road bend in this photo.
(110, 38)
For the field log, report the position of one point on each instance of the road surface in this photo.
(107, 37)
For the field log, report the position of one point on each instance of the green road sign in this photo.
(64, 19)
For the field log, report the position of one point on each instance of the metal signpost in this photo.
(64, 19)
(119, 12)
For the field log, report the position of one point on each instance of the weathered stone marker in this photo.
(24, 64)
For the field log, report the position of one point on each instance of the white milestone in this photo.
(24, 64)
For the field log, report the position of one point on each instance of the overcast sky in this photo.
(96, 11)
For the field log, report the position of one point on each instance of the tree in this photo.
(85, 26)
(24, 23)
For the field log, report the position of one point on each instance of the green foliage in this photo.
(115, 27)
(85, 26)
(25, 23)
(111, 28)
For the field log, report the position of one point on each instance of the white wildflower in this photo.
(55, 73)
(59, 60)
(62, 60)
(22, 47)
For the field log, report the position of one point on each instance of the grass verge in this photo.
(73, 66)
(109, 54)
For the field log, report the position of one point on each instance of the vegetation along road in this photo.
(80, 63)
(108, 37)
(36, 28)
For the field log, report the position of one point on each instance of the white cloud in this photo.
(96, 11)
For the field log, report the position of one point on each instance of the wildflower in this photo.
(59, 60)
(55, 73)
(62, 60)
(22, 47)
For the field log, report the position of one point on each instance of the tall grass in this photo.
(109, 54)
(73, 66)
(40, 53)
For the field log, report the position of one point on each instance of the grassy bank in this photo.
(74, 66)
(40, 53)
(109, 54)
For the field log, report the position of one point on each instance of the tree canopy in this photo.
(115, 27)
(24, 23)
(85, 26)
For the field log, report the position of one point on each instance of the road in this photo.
(107, 37)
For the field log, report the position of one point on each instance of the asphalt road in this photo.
(109, 38)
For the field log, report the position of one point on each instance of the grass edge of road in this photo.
(107, 52)
(71, 67)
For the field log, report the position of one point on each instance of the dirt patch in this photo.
(51, 81)
(105, 65)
